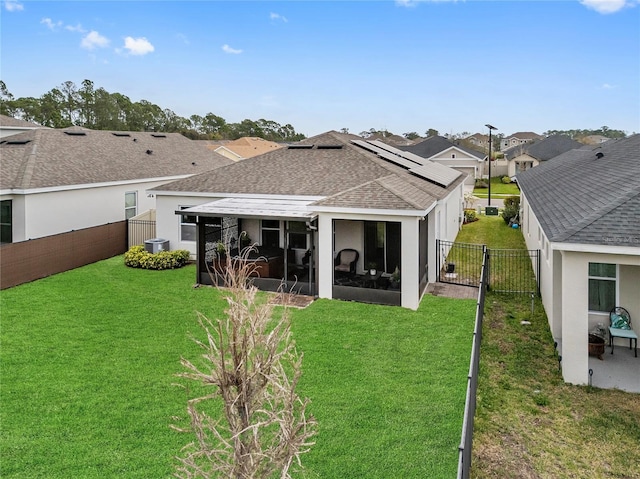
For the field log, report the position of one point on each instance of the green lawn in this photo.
(529, 423)
(89, 357)
(498, 188)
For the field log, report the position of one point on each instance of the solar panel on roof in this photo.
(436, 173)
(120, 134)
(16, 142)
(329, 147)
(155, 135)
(75, 133)
(386, 154)
(300, 147)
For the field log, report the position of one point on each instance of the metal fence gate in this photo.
(511, 271)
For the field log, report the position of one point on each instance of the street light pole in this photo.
(490, 129)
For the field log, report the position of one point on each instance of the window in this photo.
(602, 287)
(6, 221)
(297, 235)
(130, 204)
(270, 233)
(187, 226)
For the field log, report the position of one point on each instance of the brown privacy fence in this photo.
(34, 259)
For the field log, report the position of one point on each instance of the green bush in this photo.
(482, 183)
(506, 180)
(138, 257)
(511, 208)
(470, 216)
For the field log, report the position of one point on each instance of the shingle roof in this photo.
(437, 144)
(525, 135)
(543, 150)
(579, 197)
(17, 123)
(248, 147)
(49, 157)
(349, 176)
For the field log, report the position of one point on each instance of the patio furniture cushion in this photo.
(620, 327)
(346, 261)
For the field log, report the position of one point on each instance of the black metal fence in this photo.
(510, 271)
(466, 441)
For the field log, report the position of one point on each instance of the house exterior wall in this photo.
(46, 213)
(577, 319)
(513, 163)
(168, 222)
(535, 239)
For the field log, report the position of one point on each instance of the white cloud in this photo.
(608, 6)
(13, 6)
(607, 86)
(277, 16)
(78, 28)
(138, 46)
(183, 38)
(94, 40)
(50, 23)
(227, 49)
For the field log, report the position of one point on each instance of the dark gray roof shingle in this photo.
(579, 197)
(544, 149)
(437, 144)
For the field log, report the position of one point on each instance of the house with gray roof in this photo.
(467, 160)
(528, 155)
(519, 138)
(308, 206)
(12, 126)
(57, 180)
(582, 211)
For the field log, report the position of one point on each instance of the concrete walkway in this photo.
(455, 291)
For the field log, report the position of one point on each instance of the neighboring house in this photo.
(480, 141)
(439, 149)
(12, 126)
(519, 138)
(582, 210)
(528, 155)
(310, 201)
(57, 180)
(246, 147)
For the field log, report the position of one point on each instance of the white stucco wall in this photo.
(40, 213)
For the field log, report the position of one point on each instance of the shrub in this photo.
(511, 208)
(470, 216)
(506, 180)
(482, 183)
(138, 257)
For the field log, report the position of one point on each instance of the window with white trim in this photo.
(187, 226)
(6, 221)
(130, 204)
(603, 279)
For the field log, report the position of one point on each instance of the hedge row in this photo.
(138, 257)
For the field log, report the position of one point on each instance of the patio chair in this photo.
(346, 261)
(620, 327)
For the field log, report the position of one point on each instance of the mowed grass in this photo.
(89, 357)
(498, 188)
(529, 423)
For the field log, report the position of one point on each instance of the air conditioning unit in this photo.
(155, 245)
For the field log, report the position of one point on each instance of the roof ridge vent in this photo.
(300, 147)
(158, 135)
(75, 133)
(329, 147)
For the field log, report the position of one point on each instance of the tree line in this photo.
(97, 109)
(578, 134)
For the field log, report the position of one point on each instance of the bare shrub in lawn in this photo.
(250, 364)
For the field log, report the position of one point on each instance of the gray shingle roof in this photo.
(437, 144)
(51, 157)
(349, 177)
(543, 150)
(580, 198)
(17, 123)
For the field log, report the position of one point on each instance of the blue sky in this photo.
(402, 66)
